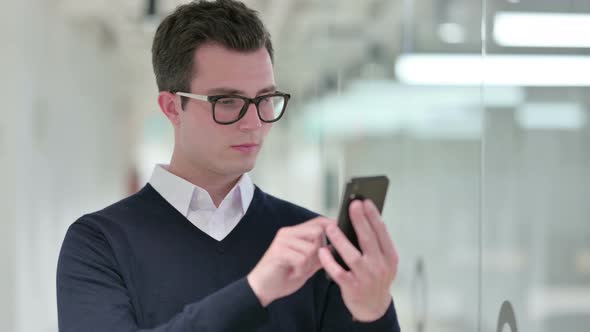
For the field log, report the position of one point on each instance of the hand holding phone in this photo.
(365, 282)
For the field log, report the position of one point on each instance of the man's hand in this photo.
(365, 288)
(290, 261)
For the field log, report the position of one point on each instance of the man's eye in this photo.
(227, 101)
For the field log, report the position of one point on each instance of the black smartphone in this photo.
(361, 188)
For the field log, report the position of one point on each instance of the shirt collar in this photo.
(246, 188)
(180, 193)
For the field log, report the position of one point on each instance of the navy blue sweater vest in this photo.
(140, 265)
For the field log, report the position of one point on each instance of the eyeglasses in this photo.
(228, 109)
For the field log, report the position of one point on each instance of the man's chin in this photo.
(249, 167)
(242, 167)
(239, 164)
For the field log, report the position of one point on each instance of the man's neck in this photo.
(217, 185)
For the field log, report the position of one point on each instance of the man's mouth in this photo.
(246, 147)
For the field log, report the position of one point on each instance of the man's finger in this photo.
(322, 221)
(342, 277)
(293, 259)
(302, 246)
(349, 253)
(363, 228)
(315, 265)
(385, 242)
(310, 233)
(313, 229)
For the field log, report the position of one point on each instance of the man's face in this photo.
(224, 149)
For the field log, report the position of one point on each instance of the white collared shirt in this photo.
(196, 204)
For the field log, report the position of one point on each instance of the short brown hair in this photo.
(226, 22)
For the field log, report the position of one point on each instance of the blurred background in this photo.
(476, 110)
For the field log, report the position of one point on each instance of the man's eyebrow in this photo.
(271, 88)
(232, 91)
(224, 91)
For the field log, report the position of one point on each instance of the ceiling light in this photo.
(542, 29)
(511, 70)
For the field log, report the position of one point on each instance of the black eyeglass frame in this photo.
(247, 101)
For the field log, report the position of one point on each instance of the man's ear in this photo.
(170, 106)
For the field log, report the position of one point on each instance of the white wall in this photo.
(62, 148)
(14, 77)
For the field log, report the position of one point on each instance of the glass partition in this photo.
(536, 161)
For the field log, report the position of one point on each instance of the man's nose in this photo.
(250, 121)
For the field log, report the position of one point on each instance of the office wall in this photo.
(61, 131)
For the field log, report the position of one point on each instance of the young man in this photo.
(200, 248)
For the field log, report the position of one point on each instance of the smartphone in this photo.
(359, 188)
